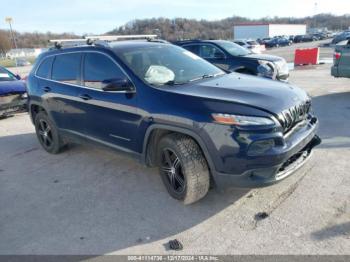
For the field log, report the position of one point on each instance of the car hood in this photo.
(268, 95)
(271, 58)
(12, 87)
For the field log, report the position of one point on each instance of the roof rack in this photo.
(111, 38)
(59, 43)
(101, 40)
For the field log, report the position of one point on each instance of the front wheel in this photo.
(183, 168)
(47, 133)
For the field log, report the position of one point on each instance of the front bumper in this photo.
(275, 165)
(267, 176)
(334, 71)
(283, 77)
(11, 104)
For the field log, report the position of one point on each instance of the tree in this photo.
(5, 42)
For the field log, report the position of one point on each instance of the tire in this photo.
(183, 168)
(47, 133)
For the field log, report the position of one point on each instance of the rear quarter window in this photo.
(44, 69)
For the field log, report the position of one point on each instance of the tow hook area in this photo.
(315, 142)
(297, 160)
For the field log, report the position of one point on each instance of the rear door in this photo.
(344, 61)
(110, 117)
(59, 87)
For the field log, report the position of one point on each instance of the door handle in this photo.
(85, 97)
(46, 89)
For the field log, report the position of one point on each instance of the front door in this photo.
(214, 55)
(110, 117)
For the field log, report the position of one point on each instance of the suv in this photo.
(231, 57)
(171, 109)
(341, 66)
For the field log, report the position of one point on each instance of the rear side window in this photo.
(66, 68)
(210, 51)
(192, 48)
(99, 68)
(44, 69)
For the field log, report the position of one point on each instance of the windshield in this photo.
(167, 64)
(233, 49)
(6, 75)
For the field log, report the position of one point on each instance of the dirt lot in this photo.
(94, 201)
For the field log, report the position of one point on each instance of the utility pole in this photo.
(315, 15)
(9, 20)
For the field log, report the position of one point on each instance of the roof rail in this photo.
(101, 40)
(110, 38)
(59, 43)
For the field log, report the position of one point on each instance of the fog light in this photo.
(260, 147)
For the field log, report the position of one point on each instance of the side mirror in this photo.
(118, 85)
(18, 77)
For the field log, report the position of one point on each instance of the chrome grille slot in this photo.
(292, 116)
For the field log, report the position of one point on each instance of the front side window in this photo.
(66, 68)
(45, 68)
(232, 48)
(99, 69)
(6, 75)
(164, 64)
(210, 51)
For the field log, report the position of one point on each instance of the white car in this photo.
(252, 45)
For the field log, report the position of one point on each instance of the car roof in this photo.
(183, 42)
(113, 46)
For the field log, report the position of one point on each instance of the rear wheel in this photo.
(183, 168)
(47, 133)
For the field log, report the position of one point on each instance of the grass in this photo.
(6, 62)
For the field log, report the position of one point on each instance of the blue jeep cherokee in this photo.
(170, 108)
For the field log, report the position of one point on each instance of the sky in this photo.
(100, 16)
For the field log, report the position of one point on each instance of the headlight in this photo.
(266, 69)
(228, 119)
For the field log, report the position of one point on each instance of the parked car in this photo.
(233, 58)
(341, 37)
(252, 45)
(169, 108)
(264, 40)
(22, 62)
(12, 93)
(277, 42)
(305, 38)
(341, 66)
(320, 36)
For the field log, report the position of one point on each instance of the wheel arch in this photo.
(34, 109)
(157, 131)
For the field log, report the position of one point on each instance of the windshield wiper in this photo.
(172, 83)
(206, 76)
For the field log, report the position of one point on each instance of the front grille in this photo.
(294, 115)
